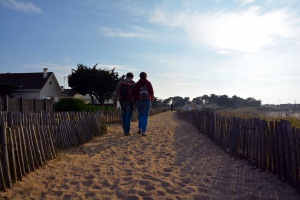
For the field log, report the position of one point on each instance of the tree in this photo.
(157, 102)
(205, 98)
(213, 99)
(167, 101)
(197, 100)
(223, 101)
(6, 89)
(179, 101)
(100, 83)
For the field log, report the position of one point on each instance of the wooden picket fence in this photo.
(29, 140)
(270, 145)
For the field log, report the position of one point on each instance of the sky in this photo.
(188, 48)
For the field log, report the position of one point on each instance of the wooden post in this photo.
(281, 160)
(12, 155)
(34, 104)
(297, 154)
(5, 159)
(45, 104)
(2, 181)
(21, 104)
(6, 106)
(286, 127)
(295, 159)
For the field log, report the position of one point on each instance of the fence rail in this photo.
(270, 145)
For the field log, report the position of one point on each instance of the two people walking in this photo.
(132, 95)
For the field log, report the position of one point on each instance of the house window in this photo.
(50, 82)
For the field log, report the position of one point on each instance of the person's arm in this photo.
(135, 92)
(132, 93)
(151, 91)
(116, 94)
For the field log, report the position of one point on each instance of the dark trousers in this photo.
(127, 110)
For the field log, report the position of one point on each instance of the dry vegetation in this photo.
(269, 114)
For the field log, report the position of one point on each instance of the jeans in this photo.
(127, 109)
(143, 108)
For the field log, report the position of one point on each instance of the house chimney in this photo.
(45, 72)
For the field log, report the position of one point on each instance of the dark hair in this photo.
(129, 74)
(143, 75)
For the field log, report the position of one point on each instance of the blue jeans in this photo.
(143, 108)
(127, 109)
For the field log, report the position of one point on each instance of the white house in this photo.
(192, 106)
(39, 85)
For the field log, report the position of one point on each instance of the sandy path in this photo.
(173, 161)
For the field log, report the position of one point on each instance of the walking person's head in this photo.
(129, 75)
(143, 75)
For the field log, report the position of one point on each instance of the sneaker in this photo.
(139, 131)
(126, 134)
(143, 134)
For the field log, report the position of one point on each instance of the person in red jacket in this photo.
(143, 98)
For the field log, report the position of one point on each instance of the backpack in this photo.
(125, 90)
(144, 94)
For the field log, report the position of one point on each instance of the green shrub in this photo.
(96, 108)
(70, 104)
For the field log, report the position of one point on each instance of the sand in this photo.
(174, 161)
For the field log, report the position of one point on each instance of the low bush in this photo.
(70, 104)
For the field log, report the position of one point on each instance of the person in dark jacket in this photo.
(143, 98)
(125, 103)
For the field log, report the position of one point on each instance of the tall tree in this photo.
(167, 102)
(100, 83)
(6, 89)
(179, 101)
(197, 100)
(157, 102)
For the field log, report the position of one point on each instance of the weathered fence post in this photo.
(45, 104)
(34, 104)
(5, 160)
(21, 104)
(6, 107)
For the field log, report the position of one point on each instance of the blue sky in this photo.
(188, 48)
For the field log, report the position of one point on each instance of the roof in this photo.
(25, 80)
(69, 92)
(192, 105)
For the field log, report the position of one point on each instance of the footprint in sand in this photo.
(167, 170)
(126, 179)
(74, 182)
(143, 182)
(165, 184)
(186, 180)
(56, 193)
(87, 183)
(89, 177)
(150, 187)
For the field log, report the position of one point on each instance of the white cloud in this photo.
(244, 2)
(248, 30)
(134, 32)
(20, 6)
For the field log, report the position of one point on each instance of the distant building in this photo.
(39, 85)
(192, 106)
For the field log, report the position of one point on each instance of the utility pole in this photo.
(65, 81)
